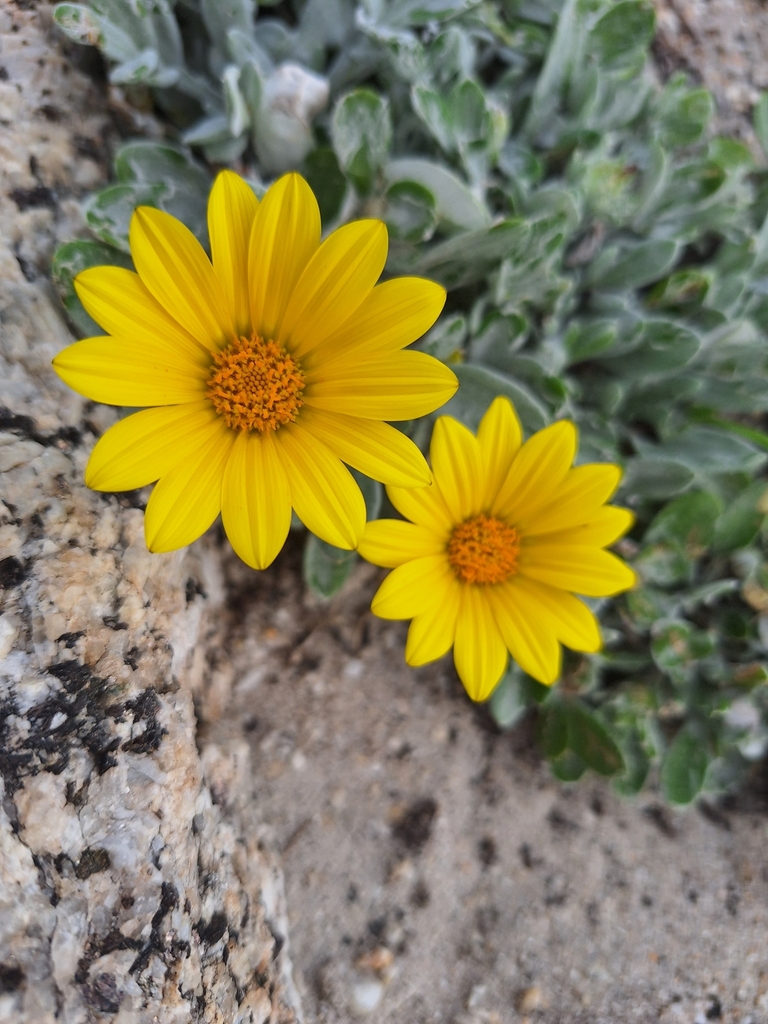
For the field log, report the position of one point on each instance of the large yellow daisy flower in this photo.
(496, 549)
(268, 368)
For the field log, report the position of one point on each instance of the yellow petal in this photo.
(187, 499)
(380, 451)
(123, 371)
(605, 527)
(499, 436)
(285, 235)
(537, 471)
(479, 651)
(581, 569)
(339, 276)
(432, 632)
(456, 461)
(393, 315)
(145, 446)
(390, 542)
(425, 506)
(576, 500)
(324, 493)
(232, 209)
(401, 386)
(118, 300)
(173, 265)
(531, 641)
(256, 500)
(410, 588)
(556, 611)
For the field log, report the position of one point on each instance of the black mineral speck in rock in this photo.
(12, 573)
(103, 994)
(414, 827)
(487, 852)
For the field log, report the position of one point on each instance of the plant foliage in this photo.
(606, 258)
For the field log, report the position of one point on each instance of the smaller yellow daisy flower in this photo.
(497, 547)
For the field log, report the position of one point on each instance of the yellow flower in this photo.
(496, 549)
(268, 369)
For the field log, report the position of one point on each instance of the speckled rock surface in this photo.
(132, 883)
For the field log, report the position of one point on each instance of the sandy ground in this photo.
(434, 869)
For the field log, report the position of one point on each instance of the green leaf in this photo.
(173, 179)
(646, 605)
(707, 450)
(683, 290)
(71, 259)
(740, 522)
(410, 213)
(372, 493)
(590, 740)
(609, 185)
(553, 734)
(143, 69)
(636, 764)
(707, 594)
(622, 30)
(454, 201)
(730, 154)
(208, 131)
(682, 773)
(325, 23)
(467, 258)
(533, 691)
(633, 267)
(220, 16)
(458, 121)
(326, 568)
(519, 162)
(325, 178)
(684, 113)
(568, 767)
(690, 519)
(759, 121)
(665, 565)
(361, 131)
(656, 477)
(586, 340)
(564, 51)
(445, 339)
(433, 111)
(145, 162)
(479, 386)
(508, 701)
(420, 12)
(662, 346)
(79, 23)
(678, 648)
(238, 114)
(108, 213)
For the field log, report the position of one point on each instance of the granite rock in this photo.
(132, 884)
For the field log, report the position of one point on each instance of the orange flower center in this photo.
(484, 549)
(255, 385)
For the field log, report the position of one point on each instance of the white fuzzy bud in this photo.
(291, 97)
